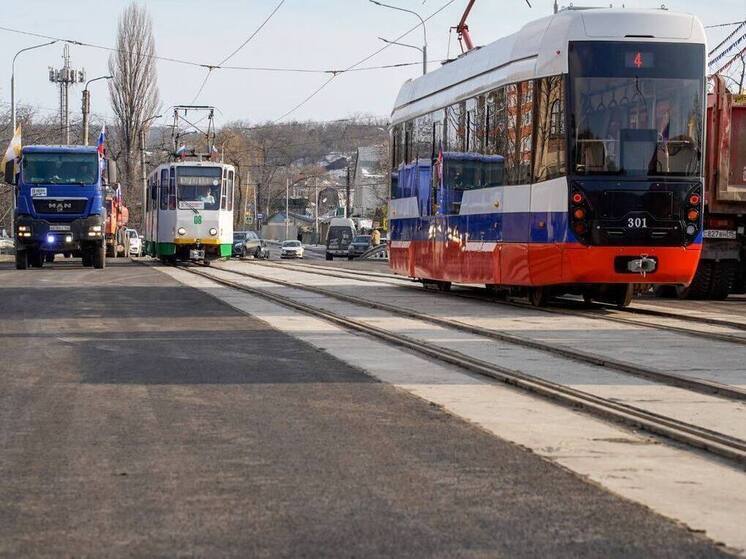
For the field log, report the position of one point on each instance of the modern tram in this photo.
(565, 158)
(189, 211)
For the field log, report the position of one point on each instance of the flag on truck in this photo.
(101, 139)
(13, 153)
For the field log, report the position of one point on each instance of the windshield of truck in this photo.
(60, 168)
(637, 109)
(198, 187)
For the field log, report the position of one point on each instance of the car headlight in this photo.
(213, 231)
(181, 231)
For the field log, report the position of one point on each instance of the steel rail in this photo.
(680, 381)
(719, 444)
(722, 337)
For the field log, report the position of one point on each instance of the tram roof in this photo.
(538, 49)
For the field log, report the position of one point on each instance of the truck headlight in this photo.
(23, 228)
(181, 231)
(213, 231)
(95, 228)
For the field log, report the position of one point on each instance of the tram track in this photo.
(598, 312)
(720, 444)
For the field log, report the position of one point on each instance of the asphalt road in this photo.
(140, 417)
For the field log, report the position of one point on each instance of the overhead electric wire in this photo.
(254, 34)
(728, 38)
(200, 64)
(724, 24)
(362, 61)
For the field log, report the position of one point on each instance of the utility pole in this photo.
(287, 207)
(347, 193)
(65, 76)
(143, 170)
(316, 225)
(87, 106)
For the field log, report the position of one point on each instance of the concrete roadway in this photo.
(142, 417)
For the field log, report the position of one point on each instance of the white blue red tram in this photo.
(564, 158)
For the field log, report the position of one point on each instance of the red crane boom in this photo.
(464, 37)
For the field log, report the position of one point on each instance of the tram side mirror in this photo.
(111, 171)
(10, 174)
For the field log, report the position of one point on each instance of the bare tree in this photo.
(134, 93)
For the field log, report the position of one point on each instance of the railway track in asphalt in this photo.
(598, 311)
(723, 445)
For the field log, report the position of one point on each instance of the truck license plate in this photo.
(719, 234)
(59, 227)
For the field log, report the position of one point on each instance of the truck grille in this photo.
(59, 205)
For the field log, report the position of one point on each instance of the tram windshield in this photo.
(198, 187)
(637, 108)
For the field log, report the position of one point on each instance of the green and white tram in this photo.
(189, 211)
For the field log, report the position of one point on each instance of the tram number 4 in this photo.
(197, 219)
(637, 223)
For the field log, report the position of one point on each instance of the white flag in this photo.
(14, 147)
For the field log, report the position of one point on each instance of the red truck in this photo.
(117, 216)
(722, 267)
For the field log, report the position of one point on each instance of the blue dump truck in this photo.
(59, 204)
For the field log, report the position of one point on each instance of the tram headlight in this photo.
(691, 229)
(213, 231)
(693, 215)
(181, 231)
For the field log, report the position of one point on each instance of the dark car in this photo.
(359, 245)
(247, 243)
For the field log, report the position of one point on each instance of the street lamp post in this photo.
(87, 106)
(13, 113)
(13, 79)
(424, 30)
(143, 171)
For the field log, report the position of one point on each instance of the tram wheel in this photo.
(539, 296)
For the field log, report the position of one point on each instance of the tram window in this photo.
(172, 190)
(496, 123)
(455, 127)
(229, 194)
(164, 189)
(224, 189)
(423, 137)
(550, 145)
(519, 133)
(409, 152)
(471, 143)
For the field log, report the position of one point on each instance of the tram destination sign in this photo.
(198, 181)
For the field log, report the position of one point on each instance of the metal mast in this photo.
(65, 77)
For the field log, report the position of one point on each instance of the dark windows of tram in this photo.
(456, 127)
(164, 189)
(549, 153)
(229, 194)
(172, 190)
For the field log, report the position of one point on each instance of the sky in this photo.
(312, 34)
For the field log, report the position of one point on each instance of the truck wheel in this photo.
(623, 294)
(99, 258)
(36, 259)
(723, 276)
(329, 256)
(87, 258)
(49, 257)
(21, 259)
(700, 286)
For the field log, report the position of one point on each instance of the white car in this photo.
(134, 242)
(291, 249)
